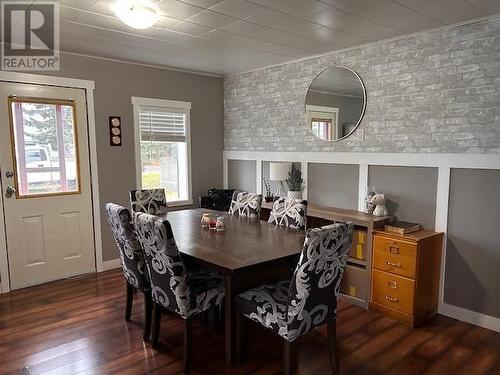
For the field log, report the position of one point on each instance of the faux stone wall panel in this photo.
(436, 92)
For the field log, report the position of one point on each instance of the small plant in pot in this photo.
(269, 196)
(294, 182)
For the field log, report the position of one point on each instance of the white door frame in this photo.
(88, 86)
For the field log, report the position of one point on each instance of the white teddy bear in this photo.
(378, 200)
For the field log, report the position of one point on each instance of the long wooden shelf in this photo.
(357, 276)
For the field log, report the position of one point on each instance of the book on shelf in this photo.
(402, 227)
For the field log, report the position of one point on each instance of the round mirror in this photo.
(335, 103)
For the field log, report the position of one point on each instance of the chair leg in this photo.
(130, 300)
(332, 336)
(240, 338)
(148, 310)
(188, 333)
(156, 325)
(287, 357)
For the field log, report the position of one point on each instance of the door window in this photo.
(45, 146)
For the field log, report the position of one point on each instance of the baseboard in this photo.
(472, 317)
(109, 265)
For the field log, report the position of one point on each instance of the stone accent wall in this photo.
(436, 92)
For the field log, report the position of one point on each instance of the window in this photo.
(45, 146)
(163, 152)
(322, 128)
(323, 121)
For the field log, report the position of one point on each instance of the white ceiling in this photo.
(231, 36)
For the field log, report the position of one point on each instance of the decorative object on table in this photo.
(219, 225)
(217, 199)
(213, 222)
(369, 193)
(279, 172)
(267, 186)
(402, 227)
(294, 182)
(378, 201)
(205, 220)
(246, 204)
(115, 130)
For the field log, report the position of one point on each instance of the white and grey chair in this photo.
(173, 287)
(289, 212)
(292, 308)
(152, 201)
(132, 261)
(246, 204)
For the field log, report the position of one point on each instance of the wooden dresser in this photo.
(405, 275)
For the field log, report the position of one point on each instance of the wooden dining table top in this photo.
(244, 243)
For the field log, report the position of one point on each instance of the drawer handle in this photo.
(392, 299)
(392, 284)
(396, 265)
(394, 250)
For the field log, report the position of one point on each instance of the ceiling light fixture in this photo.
(139, 14)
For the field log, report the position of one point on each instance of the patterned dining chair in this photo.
(246, 204)
(152, 201)
(289, 212)
(292, 308)
(132, 261)
(175, 288)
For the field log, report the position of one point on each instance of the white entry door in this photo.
(45, 181)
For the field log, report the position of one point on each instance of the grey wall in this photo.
(410, 192)
(350, 107)
(473, 248)
(242, 175)
(437, 91)
(333, 185)
(115, 84)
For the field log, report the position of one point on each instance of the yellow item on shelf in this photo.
(352, 291)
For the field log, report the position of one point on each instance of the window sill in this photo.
(180, 203)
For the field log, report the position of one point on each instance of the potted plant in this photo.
(269, 196)
(294, 182)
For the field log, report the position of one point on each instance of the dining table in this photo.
(249, 252)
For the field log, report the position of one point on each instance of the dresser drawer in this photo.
(393, 291)
(395, 256)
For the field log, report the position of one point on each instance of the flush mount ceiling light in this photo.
(139, 14)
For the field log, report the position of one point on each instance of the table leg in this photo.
(229, 320)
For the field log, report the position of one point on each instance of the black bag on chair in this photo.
(217, 199)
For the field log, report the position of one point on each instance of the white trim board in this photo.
(443, 162)
(174, 105)
(88, 86)
(110, 265)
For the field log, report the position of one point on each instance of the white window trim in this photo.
(163, 103)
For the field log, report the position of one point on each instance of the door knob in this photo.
(11, 190)
(9, 174)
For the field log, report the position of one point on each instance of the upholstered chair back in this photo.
(315, 284)
(246, 204)
(166, 269)
(152, 201)
(289, 212)
(131, 255)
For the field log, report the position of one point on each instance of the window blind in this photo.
(162, 124)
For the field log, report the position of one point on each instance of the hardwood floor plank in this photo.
(76, 326)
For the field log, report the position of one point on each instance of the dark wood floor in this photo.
(77, 326)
